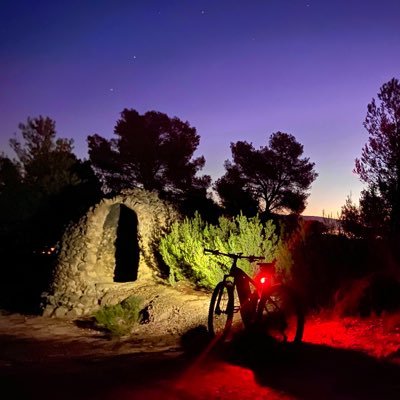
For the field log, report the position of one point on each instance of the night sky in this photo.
(236, 70)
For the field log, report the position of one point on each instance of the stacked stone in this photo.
(84, 275)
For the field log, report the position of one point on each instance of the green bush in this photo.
(183, 248)
(119, 319)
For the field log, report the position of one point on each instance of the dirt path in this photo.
(44, 358)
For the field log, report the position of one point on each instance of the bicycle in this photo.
(264, 304)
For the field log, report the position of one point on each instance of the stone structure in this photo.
(107, 252)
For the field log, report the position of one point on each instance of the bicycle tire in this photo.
(280, 314)
(220, 314)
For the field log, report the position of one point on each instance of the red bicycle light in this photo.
(263, 280)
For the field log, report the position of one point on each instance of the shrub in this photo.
(375, 293)
(119, 319)
(183, 248)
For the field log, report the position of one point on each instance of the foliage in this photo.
(199, 201)
(152, 151)
(10, 174)
(376, 293)
(39, 139)
(284, 260)
(374, 214)
(350, 219)
(368, 220)
(379, 165)
(235, 196)
(40, 193)
(274, 178)
(16, 201)
(119, 319)
(47, 162)
(183, 248)
(324, 263)
(47, 185)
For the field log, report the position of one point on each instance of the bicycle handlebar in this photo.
(234, 256)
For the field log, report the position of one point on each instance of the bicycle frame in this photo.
(248, 298)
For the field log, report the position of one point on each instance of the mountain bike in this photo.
(262, 303)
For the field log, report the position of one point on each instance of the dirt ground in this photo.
(21, 334)
(341, 358)
(376, 336)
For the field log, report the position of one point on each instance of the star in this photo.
(202, 12)
(111, 89)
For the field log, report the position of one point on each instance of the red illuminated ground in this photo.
(340, 359)
(377, 337)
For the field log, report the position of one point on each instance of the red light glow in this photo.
(218, 378)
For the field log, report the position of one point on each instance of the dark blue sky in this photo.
(236, 70)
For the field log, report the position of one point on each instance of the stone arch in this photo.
(106, 252)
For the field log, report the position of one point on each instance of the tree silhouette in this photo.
(10, 174)
(379, 165)
(47, 162)
(39, 139)
(40, 193)
(236, 197)
(47, 185)
(151, 151)
(351, 220)
(274, 178)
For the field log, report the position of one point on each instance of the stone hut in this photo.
(106, 253)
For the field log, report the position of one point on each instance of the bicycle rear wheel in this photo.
(220, 313)
(281, 315)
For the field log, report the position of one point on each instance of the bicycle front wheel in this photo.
(220, 313)
(281, 315)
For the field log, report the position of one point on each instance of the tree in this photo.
(274, 178)
(151, 151)
(236, 198)
(51, 185)
(368, 220)
(47, 163)
(15, 199)
(10, 174)
(374, 214)
(40, 193)
(350, 219)
(39, 139)
(379, 165)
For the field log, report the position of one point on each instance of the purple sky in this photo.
(236, 70)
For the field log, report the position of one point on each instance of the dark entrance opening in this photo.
(126, 246)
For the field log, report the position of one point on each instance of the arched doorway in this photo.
(126, 246)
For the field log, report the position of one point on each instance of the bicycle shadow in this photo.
(309, 371)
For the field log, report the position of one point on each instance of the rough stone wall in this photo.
(84, 276)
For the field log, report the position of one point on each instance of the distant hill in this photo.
(332, 223)
(324, 220)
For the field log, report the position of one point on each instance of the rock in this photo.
(60, 312)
